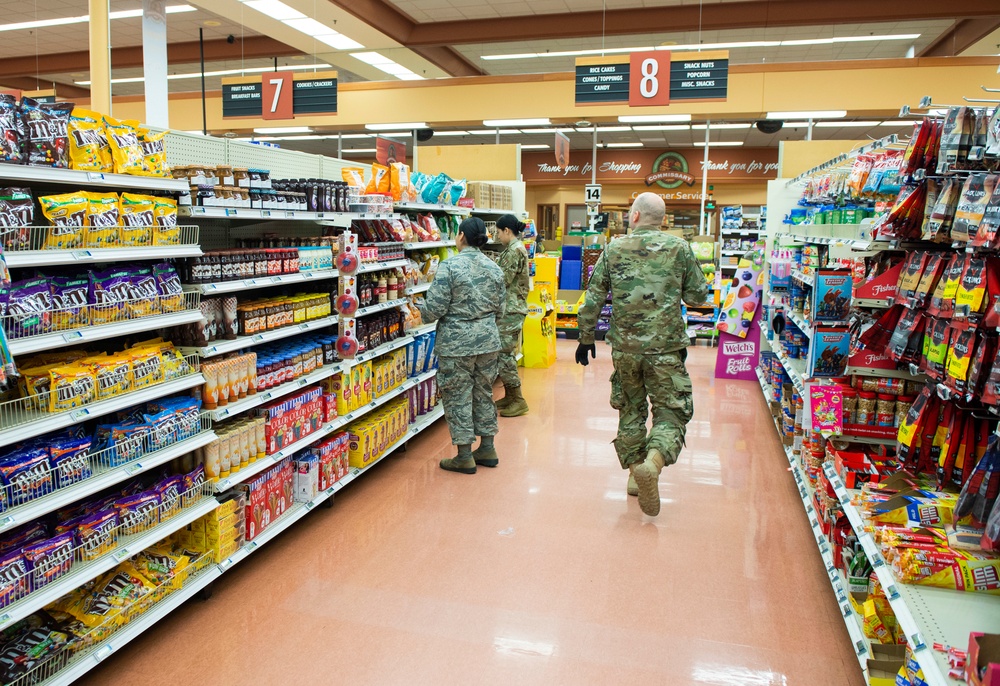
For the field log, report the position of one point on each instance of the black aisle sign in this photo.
(695, 78)
(242, 99)
(315, 95)
(601, 83)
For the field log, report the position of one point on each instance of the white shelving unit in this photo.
(380, 307)
(221, 287)
(379, 266)
(428, 245)
(343, 219)
(424, 207)
(419, 288)
(240, 342)
(258, 399)
(48, 258)
(801, 277)
(71, 177)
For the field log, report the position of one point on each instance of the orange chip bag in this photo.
(379, 182)
(399, 181)
(353, 176)
(102, 219)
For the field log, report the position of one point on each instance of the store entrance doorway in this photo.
(548, 220)
(576, 218)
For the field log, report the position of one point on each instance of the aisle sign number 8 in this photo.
(649, 79)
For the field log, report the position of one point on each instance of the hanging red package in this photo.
(948, 442)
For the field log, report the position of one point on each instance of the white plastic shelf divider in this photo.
(381, 307)
(84, 572)
(379, 351)
(240, 342)
(887, 373)
(87, 661)
(729, 266)
(799, 321)
(428, 245)
(379, 266)
(853, 243)
(871, 302)
(737, 253)
(47, 422)
(246, 213)
(50, 258)
(299, 510)
(807, 279)
(424, 207)
(31, 344)
(263, 282)
(860, 644)
(490, 212)
(64, 496)
(257, 399)
(927, 615)
(263, 463)
(419, 288)
(73, 177)
(794, 368)
(423, 328)
(869, 440)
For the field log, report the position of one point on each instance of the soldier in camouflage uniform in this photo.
(648, 274)
(466, 298)
(514, 263)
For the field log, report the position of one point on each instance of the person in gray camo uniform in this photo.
(648, 273)
(467, 298)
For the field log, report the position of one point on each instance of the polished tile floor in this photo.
(539, 572)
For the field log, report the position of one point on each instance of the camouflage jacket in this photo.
(648, 274)
(514, 263)
(466, 298)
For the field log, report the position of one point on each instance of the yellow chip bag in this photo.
(68, 215)
(71, 386)
(136, 217)
(166, 231)
(399, 180)
(353, 176)
(154, 153)
(379, 182)
(102, 220)
(88, 143)
(126, 150)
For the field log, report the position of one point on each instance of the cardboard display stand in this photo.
(738, 357)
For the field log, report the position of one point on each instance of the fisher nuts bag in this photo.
(47, 127)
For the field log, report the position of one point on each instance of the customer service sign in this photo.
(657, 169)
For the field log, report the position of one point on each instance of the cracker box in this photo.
(306, 478)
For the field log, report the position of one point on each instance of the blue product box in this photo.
(832, 295)
(573, 253)
(829, 352)
(570, 275)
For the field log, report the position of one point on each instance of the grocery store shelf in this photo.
(419, 288)
(871, 302)
(80, 573)
(491, 212)
(263, 282)
(381, 307)
(739, 232)
(767, 389)
(794, 368)
(424, 207)
(729, 266)
(46, 422)
(72, 177)
(86, 661)
(927, 615)
(805, 326)
(31, 344)
(240, 342)
(248, 214)
(423, 328)
(49, 258)
(38, 507)
(869, 440)
(428, 245)
(886, 373)
(853, 243)
(257, 399)
(379, 351)
(379, 266)
(737, 253)
(835, 577)
(802, 277)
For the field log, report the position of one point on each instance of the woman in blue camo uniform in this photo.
(466, 298)
(514, 263)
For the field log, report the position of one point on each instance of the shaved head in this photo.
(648, 210)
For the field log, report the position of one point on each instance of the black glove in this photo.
(581, 353)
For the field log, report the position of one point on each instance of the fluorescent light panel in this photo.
(534, 146)
(383, 63)
(283, 129)
(710, 46)
(65, 21)
(844, 124)
(719, 127)
(390, 127)
(274, 9)
(505, 123)
(719, 144)
(322, 33)
(623, 145)
(359, 150)
(450, 133)
(653, 118)
(815, 114)
(663, 127)
(493, 132)
(613, 129)
(221, 72)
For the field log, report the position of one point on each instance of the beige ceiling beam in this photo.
(963, 34)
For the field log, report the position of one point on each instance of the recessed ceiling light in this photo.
(623, 145)
(360, 150)
(663, 127)
(390, 127)
(451, 133)
(652, 118)
(221, 72)
(534, 146)
(841, 124)
(503, 123)
(719, 144)
(283, 129)
(613, 129)
(383, 63)
(713, 127)
(814, 114)
(493, 132)
(212, 22)
(274, 9)
(64, 21)
(347, 136)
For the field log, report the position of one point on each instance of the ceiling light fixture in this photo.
(348, 136)
(493, 132)
(734, 45)
(390, 127)
(503, 123)
(283, 129)
(613, 129)
(717, 127)
(653, 118)
(719, 144)
(65, 21)
(322, 33)
(623, 145)
(844, 124)
(221, 72)
(663, 127)
(360, 150)
(274, 9)
(816, 114)
(534, 146)
(383, 63)
(450, 133)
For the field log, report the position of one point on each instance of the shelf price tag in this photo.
(81, 254)
(258, 338)
(95, 176)
(265, 213)
(71, 336)
(230, 212)
(132, 469)
(6, 521)
(121, 555)
(79, 415)
(289, 214)
(251, 546)
(103, 653)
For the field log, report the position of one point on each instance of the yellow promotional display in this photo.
(539, 333)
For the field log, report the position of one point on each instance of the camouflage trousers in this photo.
(665, 381)
(510, 335)
(466, 385)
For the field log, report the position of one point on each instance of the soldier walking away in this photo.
(648, 274)
(466, 298)
(514, 263)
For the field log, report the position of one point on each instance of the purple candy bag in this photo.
(49, 559)
(29, 306)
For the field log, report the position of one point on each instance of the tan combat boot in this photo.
(505, 400)
(517, 405)
(647, 478)
(633, 487)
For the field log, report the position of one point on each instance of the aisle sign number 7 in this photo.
(649, 78)
(277, 95)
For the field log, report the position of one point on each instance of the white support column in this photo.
(154, 62)
(704, 183)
